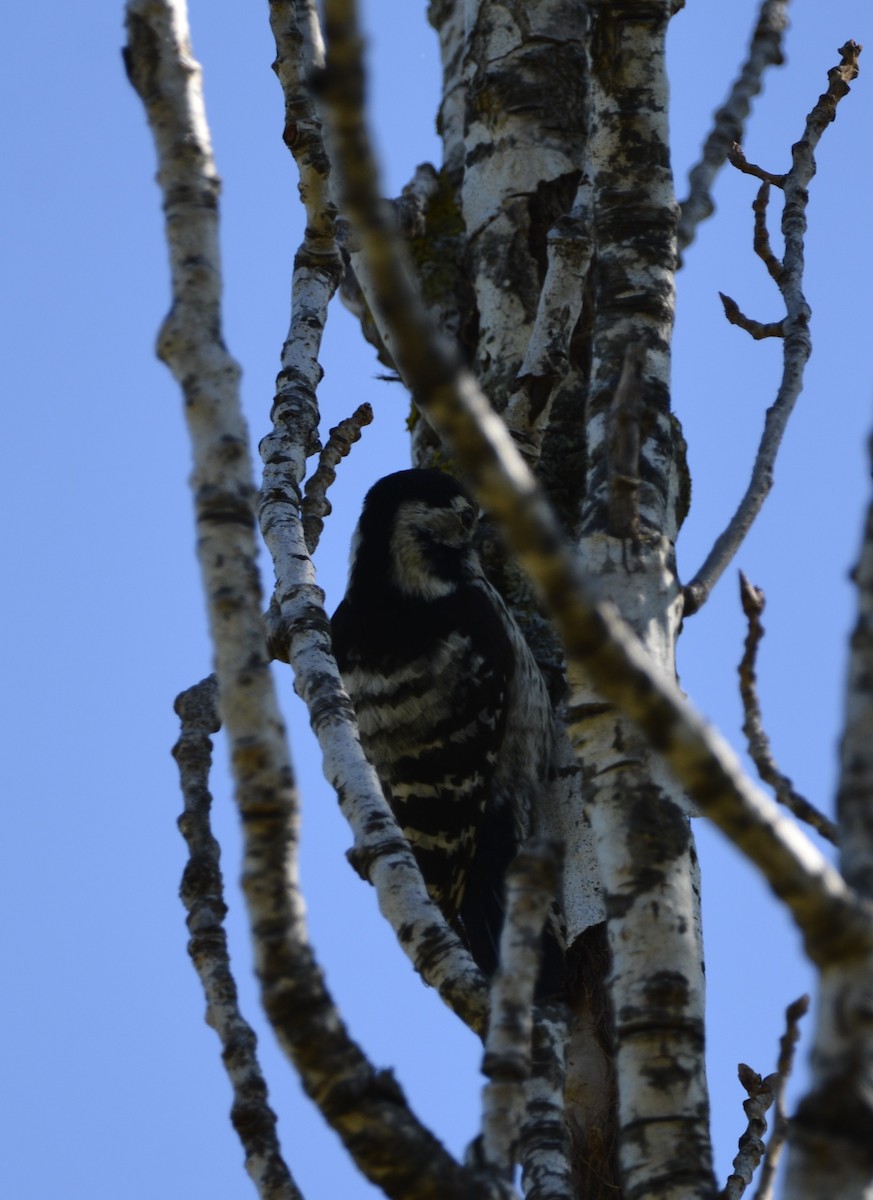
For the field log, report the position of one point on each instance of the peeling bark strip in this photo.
(202, 894)
(365, 1106)
(795, 326)
(525, 93)
(623, 447)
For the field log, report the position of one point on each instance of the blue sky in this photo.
(114, 1083)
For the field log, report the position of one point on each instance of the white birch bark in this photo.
(365, 1106)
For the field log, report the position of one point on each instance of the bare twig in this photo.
(365, 1106)
(531, 887)
(765, 50)
(737, 158)
(202, 894)
(623, 447)
(761, 243)
(758, 329)
(753, 601)
(316, 506)
(763, 249)
(797, 344)
(779, 1082)
(751, 1145)
(600, 647)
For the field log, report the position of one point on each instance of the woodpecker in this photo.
(452, 708)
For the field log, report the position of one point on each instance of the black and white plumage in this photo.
(452, 708)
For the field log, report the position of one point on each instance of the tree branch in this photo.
(544, 1147)
(365, 1106)
(531, 887)
(202, 894)
(765, 50)
(316, 506)
(599, 646)
(623, 446)
(751, 1146)
(758, 329)
(779, 1082)
(752, 599)
(797, 345)
(761, 244)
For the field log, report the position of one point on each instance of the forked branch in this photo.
(795, 326)
(765, 50)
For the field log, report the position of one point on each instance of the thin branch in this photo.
(202, 894)
(364, 1105)
(761, 243)
(600, 647)
(753, 601)
(765, 50)
(797, 344)
(751, 1145)
(762, 247)
(779, 1082)
(316, 506)
(531, 887)
(737, 158)
(758, 329)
